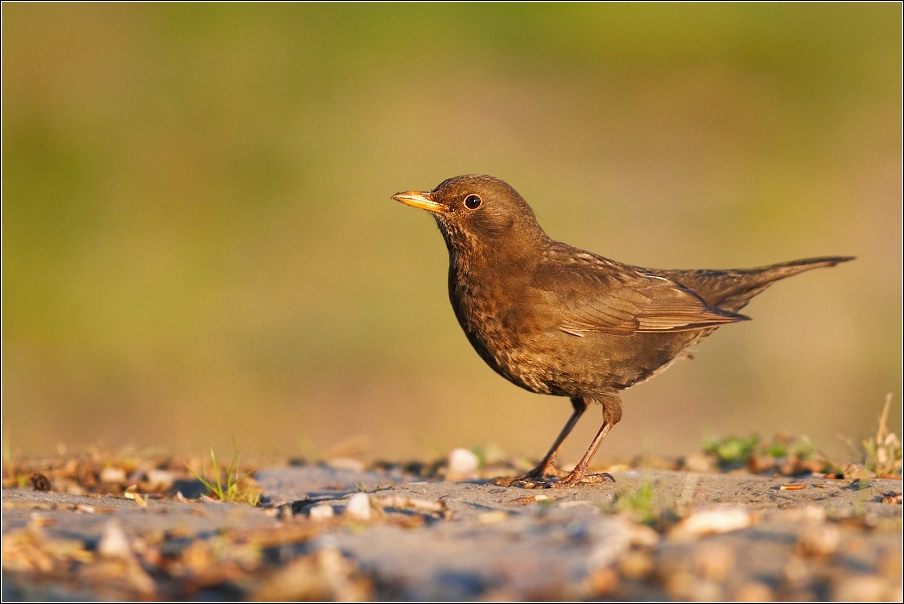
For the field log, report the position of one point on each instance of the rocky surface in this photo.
(352, 534)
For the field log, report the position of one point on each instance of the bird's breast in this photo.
(495, 311)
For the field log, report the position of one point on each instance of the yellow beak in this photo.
(420, 199)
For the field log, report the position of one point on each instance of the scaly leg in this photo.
(547, 467)
(579, 474)
(612, 412)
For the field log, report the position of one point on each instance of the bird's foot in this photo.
(535, 479)
(581, 477)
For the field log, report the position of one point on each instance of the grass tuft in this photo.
(882, 452)
(235, 488)
(639, 502)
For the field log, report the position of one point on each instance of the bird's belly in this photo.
(525, 345)
(553, 362)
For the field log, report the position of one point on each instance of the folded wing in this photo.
(598, 295)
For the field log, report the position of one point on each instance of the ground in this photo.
(345, 532)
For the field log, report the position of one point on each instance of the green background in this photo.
(199, 240)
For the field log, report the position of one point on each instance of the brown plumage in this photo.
(558, 320)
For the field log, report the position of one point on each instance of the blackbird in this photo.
(555, 319)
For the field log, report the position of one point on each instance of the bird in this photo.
(558, 320)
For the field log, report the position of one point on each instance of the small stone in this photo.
(40, 482)
(72, 488)
(462, 464)
(113, 542)
(160, 479)
(893, 498)
(813, 513)
(721, 519)
(113, 475)
(358, 506)
(697, 462)
(493, 517)
(760, 463)
(324, 511)
(345, 463)
(819, 540)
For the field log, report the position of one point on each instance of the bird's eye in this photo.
(472, 202)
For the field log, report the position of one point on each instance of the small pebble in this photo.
(760, 463)
(893, 498)
(345, 463)
(40, 482)
(112, 475)
(358, 506)
(324, 511)
(462, 464)
(113, 542)
(161, 479)
(493, 517)
(697, 462)
(714, 520)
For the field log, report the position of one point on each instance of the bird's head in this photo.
(478, 212)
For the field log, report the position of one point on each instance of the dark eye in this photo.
(472, 202)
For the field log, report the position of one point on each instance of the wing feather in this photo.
(598, 295)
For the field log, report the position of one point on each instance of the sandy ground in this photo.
(351, 534)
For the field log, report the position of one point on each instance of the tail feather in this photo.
(731, 290)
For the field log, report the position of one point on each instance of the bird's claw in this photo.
(581, 478)
(535, 479)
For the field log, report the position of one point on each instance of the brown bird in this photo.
(557, 320)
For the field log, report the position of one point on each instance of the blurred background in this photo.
(199, 240)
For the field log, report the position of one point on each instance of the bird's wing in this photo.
(593, 294)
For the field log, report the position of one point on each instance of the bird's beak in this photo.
(420, 199)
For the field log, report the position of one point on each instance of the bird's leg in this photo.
(611, 415)
(547, 466)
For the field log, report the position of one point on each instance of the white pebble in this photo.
(715, 520)
(161, 478)
(112, 475)
(358, 506)
(113, 542)
(321, 512)
(462, 464)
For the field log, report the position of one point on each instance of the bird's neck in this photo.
(495, 260)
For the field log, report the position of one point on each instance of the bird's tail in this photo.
(731, 290)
